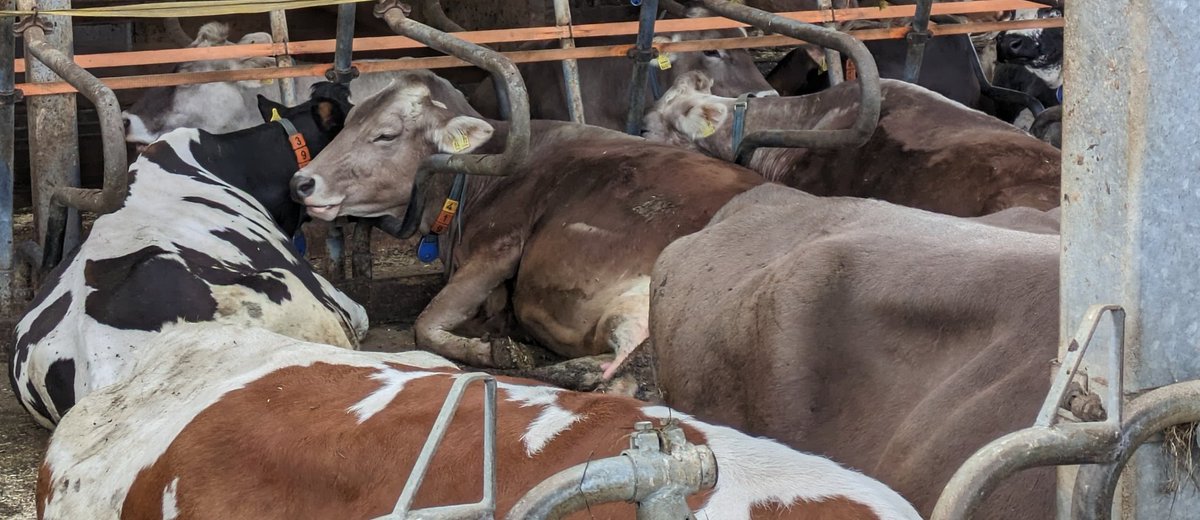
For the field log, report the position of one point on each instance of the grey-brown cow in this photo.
(577, 226)
(928, 152)
(894, 340)
(604, 82)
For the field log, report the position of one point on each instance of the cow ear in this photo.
(462, 134)
(328, 115)
(268, 108)
(701, 119)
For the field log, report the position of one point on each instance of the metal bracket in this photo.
(918, 36)
(342, 77)
(33, 20)
(12, 97)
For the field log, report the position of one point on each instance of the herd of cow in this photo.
(892, 307)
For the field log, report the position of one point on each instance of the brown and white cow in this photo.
(891, 339)
(576, 227)
(604, 82)
(928, 152)
(237, 423)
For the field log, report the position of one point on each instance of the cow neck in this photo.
(259, 161)
(769, 113)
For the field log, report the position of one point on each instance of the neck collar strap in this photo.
(740, 107)
(296, 139)
(427, 250)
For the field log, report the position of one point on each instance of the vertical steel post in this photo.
(641, 55)
(344, 72)
(1131, 208)
(918, 35)
(562, 18)
(833, 58)
(279, 34)
(8, 100)
(53, 139)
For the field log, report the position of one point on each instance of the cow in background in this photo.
(1032, 61)
(604, 82)
(198, 239)
(220, 107)
(232, 423)
(894, 340)
(928, 152)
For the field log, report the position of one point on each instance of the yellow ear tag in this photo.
(460, 141)
(268, 82)
(275, 115)
(708, 129)
(664, 62)
(823, 64)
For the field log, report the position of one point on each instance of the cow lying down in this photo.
(232, 423)
(196, 240)
(928, 152)
(575, 227)
(894, 340)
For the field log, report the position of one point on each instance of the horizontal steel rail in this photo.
(442, 62)
(382, 43)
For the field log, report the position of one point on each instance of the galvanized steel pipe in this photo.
(112, 128)
(641, 54)
(868, 79)
(570, 67)
(1147, 415)
(8, 100)
(503, 72)
(279, 34)
(918, 35)
(343, 71)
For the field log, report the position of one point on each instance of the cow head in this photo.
(319, 120)
(687, 113)
(733, 71)
(1039, 50)
(215, 107)
(369, 168)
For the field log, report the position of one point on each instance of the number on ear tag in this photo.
(664, 62)
(275, 115)
(460, 141)
(708, 129)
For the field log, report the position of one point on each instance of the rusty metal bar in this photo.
(279, 34)
(503, 72)
(570, 67)
(870, 96)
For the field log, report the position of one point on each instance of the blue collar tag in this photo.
(300, 243)
(1058, 94)
(427, 250)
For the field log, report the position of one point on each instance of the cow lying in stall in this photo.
(576, 226)
(605, 87)
(894, 340)
(232, 423)
(197, 240)
(928, 152)
(163, 109)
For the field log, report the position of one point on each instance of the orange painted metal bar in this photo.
(158, 57)
(439, 62)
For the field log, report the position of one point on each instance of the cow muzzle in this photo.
(304, 188)
(1018, 49)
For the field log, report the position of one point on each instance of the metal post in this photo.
(562, 18)
(279, 34)
(53, 139)
(833, 58)
(1131, 209)
(7, 109)
(641, 55)
(343, 71)
(918, 35)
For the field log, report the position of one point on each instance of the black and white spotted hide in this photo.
(1040, 51)
(186, 247)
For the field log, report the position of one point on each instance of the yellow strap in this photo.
(185, 9)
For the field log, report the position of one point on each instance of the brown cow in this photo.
(604, 82)
(928, 152)
(578, 224)
(894, 340)
(235, 423)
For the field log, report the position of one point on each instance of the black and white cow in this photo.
(1031, 60)
(197, 240)
(162, 109)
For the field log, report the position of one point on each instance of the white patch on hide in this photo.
(393, 383)
(170, 506)
(553, 420)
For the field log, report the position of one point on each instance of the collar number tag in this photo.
(460, 141)
(664, 62)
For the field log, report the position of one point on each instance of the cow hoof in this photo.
(511, 355)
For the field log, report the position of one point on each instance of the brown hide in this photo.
(893, 340)
(591, 210)
(927, 152)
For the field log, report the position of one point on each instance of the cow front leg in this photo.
(458, 302)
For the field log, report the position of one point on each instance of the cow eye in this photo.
(712, 53)
(383, 138)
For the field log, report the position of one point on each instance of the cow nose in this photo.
(1018, 46)
(303, 186)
